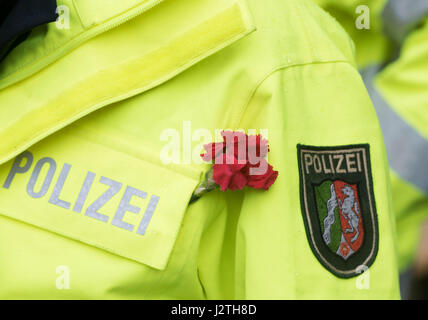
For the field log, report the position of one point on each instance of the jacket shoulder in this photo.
(299, 32)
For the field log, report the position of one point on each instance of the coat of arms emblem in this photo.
(338, 206)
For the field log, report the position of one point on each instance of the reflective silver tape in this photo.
(114, 189)
(401, 16)
(148, 215)
(407, 149)
(126, 206)
(54, 199)
(17, 167)
(84, 191)
(35, 176)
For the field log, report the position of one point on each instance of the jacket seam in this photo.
(304, 28)
(253, 92)
(78, 13)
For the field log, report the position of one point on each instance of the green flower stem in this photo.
(206, 186)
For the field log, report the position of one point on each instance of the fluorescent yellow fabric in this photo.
(372, 47)
(411, 211)
(404, 82)
(404, 85)
(294, 75)
(131, 65)
(46, 44)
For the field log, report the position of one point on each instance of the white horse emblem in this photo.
(349, 209)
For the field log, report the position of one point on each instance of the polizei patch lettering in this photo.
(338, 207)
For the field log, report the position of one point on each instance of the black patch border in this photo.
(367, 254)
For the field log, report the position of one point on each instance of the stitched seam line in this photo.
(271, 73)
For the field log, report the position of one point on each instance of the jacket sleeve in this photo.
(322, 105)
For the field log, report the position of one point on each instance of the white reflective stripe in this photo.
(407, 149)
(400, 16)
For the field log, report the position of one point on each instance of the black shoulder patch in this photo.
(338, 206)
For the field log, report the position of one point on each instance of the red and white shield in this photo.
(350, 216)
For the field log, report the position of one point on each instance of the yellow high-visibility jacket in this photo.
(363, 21)
(392, 57)
(101, 127)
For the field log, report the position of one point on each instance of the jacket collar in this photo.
(137, 50)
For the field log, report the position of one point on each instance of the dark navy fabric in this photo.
(19, 17)
(5, 7)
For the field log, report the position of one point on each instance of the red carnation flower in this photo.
(261, 181)
(239, 162)
(212, 149)
(230, 174)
